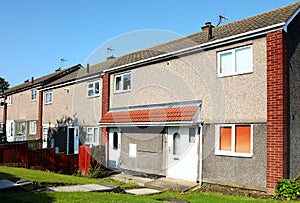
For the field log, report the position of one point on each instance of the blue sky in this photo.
(36, 34)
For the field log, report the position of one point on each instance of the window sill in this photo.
(93, 96)
(48, 103)
(233, 154)
(33, 100)
(121, 91)
(233, 74)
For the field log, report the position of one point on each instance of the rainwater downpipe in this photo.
(200, 155)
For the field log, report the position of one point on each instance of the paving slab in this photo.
(142, 191)
(6, 184)
(171, 184)
(141, 181)
(81, 188)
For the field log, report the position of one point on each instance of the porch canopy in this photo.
(167, 114)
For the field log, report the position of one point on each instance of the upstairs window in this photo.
(9, 100)
(234, 140)
(235, 61)
(48, 97)
(2, 102)
(32, 127)
(33, 95)
(93, 89)
(123, 82)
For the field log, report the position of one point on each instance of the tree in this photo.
(4, 85)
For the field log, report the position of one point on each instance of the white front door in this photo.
(114, 148)
(10, 130)
(183, 153)
(72, 140)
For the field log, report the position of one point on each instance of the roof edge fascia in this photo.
(220, 42)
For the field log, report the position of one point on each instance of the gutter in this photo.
(68, 83)
(182, 123)
(224, 41)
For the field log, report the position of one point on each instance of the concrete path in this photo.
(6, 184)
(171, 184)
(100, 187)
(142, 191)
(131, 179)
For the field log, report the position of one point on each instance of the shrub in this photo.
(288, 189)
(98, 172)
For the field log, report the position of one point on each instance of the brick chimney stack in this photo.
(206, 26)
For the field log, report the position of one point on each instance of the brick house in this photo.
(22, 109)
(219, 106)
(71, 119)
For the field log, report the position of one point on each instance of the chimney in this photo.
(32, 79)
(88, 68)
(206, 26)
(110, 57)
(57, 70)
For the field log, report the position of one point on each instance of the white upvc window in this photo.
(92, 136)
(33, 95)
(234, 140)
(32, 127)
(122, 82)
(48, 97)
(20, 128)
(2, 102)
(93, 89)
(235, 61)
(9, 100)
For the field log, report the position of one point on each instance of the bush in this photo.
(288, 189)
(98, 172)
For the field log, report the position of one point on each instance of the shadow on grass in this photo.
(26, 197)
(18, 195)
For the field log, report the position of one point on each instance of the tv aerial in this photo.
(221, 18)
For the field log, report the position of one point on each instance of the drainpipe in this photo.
(200, 155)
(5, 119)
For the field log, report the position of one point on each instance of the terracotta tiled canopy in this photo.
(175, 114)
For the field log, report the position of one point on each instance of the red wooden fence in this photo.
(84, 161)
(18, 154)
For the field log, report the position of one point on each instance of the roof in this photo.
(257, 22)
(35, 83)
(154, 114)
(81, 74)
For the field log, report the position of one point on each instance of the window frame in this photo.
(92, 134)
(122, 83)
(93, 88)
(233, 140)
(49, 102)
(20, 125)
(31, 130)
(2, 101)
(35, 98)
(233, 61)
(9, 100)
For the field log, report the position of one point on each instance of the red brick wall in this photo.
(277, 109)
(105, 104)
(5, 116)
(40, 117)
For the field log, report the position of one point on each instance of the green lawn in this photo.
(49, 177)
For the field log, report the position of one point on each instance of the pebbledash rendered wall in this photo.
(22, 108)
(234, 99)
(151, 150)
(72, 101)
(239, 98)
(293, 58)
(237, 171)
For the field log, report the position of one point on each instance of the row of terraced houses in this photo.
(218, 106)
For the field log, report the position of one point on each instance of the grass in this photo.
(49, 177)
